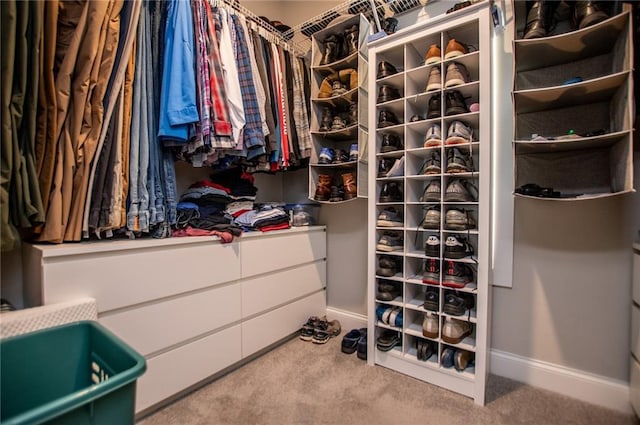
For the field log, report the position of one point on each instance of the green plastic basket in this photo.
(79, 373)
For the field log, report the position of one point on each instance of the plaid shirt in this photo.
(300, 116)
(221, 136)
(204, 85)
(253, 135)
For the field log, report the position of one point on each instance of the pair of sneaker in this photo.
(456, 274)
(456, 75)
(390, 315)
(389, 217)
(457, 247)
(458, 161)
(319, 330)
(453, 49)
(388, 339)
(454, 331)
(388, 266)
(388, 291)
(390, 241)
(458, 132)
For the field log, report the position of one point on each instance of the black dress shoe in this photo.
(387, 93)
(455, 103)
(435, 103)
(390, 143)
(385, 69)
(387, 118)
(391, 192)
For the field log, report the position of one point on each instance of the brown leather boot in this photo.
(323, 188)
(326, 86)
(350, 189)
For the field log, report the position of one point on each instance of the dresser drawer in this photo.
(153, 327)
(176, 370)
(267, 253)
(264, 330)
(273, 289)
(121, 278)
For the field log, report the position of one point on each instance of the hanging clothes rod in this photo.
(265, 29)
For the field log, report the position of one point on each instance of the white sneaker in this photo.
(431, 325)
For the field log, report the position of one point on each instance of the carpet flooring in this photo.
(303, 383)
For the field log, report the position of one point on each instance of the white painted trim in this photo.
(585, 386)
(348, 320)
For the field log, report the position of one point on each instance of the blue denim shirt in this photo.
(178, 104)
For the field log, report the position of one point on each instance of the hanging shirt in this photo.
(253, 137)
(178, 103)
(257, 81)
(231, 82)
(221, 130)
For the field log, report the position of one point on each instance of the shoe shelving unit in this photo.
(406, 52)
(353, 132)
(588, 124)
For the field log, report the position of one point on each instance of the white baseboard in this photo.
(348, 320)
(596, 389)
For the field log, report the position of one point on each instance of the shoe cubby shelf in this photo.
(429, 216)
(339, 101)
(573, 109)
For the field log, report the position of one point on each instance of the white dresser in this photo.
(634, 386)
(192, 306)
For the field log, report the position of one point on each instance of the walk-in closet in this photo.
(338, 211)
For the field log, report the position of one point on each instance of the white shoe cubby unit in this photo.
(574, 110)
(339, 104)
(406, 51)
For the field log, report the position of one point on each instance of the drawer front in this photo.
(178, 369)
(636, 277)
(125, 278)
(634, 386)
(635, 330)
(270, 327)
(153, 327)
(267, 291)
(265, 254)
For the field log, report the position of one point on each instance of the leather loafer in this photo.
(385, 69)
(387, 93)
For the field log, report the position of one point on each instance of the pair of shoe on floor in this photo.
(355, 340)
(319, 330)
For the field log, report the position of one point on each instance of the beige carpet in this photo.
(303, 383)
